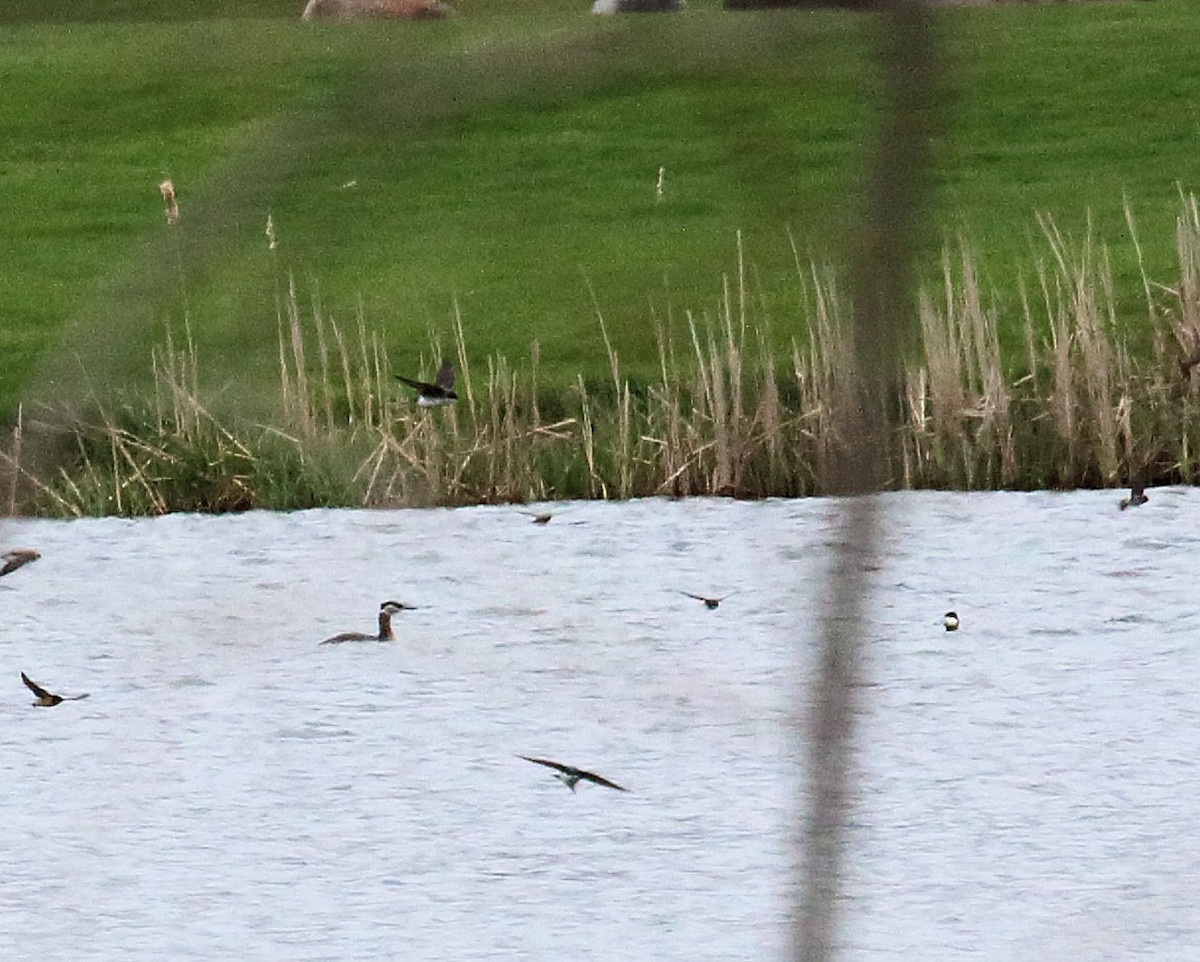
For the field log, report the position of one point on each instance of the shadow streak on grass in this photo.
(726, 415)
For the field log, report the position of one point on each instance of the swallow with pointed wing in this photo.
(16, 558)
(708, 602)
(47, 699)
(440, 392)
(571, 776)
(1137, 494)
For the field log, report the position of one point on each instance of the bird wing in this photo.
(445, 376)
(565, 769)
(575, 772)
(697, 597)
(34, 687)
(419, 385)
(15, 558)
(593, 777)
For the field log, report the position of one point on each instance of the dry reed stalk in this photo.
(286, 392)
(1084, 306)
(666, 398)
(720, 477)
(369, 374)
(381, 373)
(318, 320)
(739, 429)
(1186, 290)
(588, 437)
(943, 369)
(15, 461)
(301, 410)
(1062, 401)
(768, 414)
(495, 413)
(347, 379)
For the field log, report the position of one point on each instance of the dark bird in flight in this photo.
(1137, 494)
(44, 698)
(386, 610)
(709, 602)
(570, 775)
(15, 558)
(440, 392)
(950, 621)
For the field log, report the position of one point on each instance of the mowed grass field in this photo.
(504, 164)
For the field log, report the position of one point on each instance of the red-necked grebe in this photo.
(386, 610)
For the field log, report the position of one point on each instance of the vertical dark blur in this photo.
(884, 324)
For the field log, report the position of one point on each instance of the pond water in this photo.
(1026, 787)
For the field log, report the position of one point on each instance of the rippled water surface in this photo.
(1027, 787)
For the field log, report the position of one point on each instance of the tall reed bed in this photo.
(727, 414)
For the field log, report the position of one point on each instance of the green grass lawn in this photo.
(507, 160)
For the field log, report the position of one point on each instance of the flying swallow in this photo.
(44, 698)
(386, 610)
(15, 558)
(539, 517)
(708, 602)
(1137, 495)
(569, 775)
(440, 392)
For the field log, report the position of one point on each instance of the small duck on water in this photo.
(386, 610)
(950, 621)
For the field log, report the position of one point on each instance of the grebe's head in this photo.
(950, 621)
(391, 607)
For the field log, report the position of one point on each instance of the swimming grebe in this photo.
(950, 621)
(15, 558)
(569, 775)
(1137, 495)
(440, 392)
(386, 610)
(44, 698)
(709, 602)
